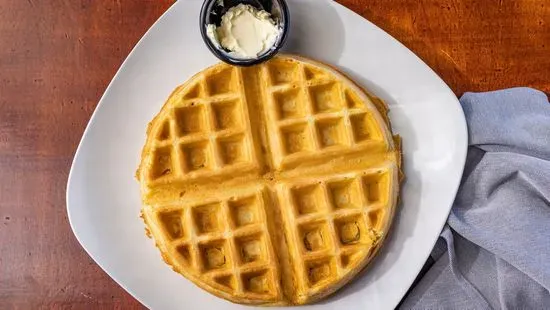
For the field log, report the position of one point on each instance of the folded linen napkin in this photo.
(494, 252)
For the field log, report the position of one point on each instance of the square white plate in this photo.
(103, 198)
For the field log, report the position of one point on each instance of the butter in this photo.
(213, 35)
(245, 31)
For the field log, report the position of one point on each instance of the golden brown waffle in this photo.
(274, 184)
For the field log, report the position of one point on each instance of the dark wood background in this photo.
(58, 56)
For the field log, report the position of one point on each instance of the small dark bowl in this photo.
(279, 11)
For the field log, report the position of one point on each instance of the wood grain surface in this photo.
(57, 57)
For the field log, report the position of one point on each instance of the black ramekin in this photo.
(279, 10)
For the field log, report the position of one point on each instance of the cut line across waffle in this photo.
(274, 184)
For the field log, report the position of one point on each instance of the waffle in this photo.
(270, 185)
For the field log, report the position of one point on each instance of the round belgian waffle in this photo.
(274, 184)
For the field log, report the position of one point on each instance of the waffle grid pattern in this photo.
(225, 240)
(293, 115)
(310, 112)
(207, 131)
(334, 222)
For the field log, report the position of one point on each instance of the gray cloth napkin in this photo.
(494, 252)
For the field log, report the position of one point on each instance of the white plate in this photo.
(103, 199)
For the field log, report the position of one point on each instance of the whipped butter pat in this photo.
(245, 31)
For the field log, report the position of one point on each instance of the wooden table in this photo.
(57, 57)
